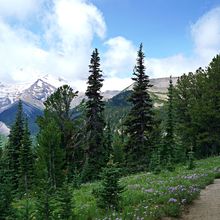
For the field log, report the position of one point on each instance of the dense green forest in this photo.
(106, 141)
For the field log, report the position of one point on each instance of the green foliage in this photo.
(44, 208)
(13, 148)
(58, 105)
(24, 209)
(169, 142)
(139, 122)
(109, 194)
(118, 152)
(155, 163)
(26, 162)
(150, 196)
(49, 152)
(196, 102)
(64, 204)
(191, 163)
(5, 188)
(95, 146)
(108, 139)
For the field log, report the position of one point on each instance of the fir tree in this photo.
(118, 144)
(139, 121)
(168, 152)
(14, 147)
(26, 161)
(95, 149)
(65, 202)
(25, 210)
(109, 195)
(50, 154)
(209, 137)
(44, 196)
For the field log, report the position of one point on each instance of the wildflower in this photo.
(172, 200)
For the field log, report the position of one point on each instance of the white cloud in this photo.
(206, 34)
(119, 59)
(18, 50)
(73, 24)
(69, 28)
(19, 8)
(174, 66)
(116, 83)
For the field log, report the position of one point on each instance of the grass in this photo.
(149, 196)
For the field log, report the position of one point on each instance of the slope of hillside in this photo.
(30, 112)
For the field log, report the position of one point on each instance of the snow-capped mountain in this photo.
(9, 93)
(35, 92)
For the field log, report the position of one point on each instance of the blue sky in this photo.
(56, 37)
(163, 26)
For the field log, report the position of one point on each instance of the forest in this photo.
(130, 160)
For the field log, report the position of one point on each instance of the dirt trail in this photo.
(207, 207)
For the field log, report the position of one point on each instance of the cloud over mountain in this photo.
(57, 36)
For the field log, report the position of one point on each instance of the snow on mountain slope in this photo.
(35, 92)
(9, 93)
(4, 129)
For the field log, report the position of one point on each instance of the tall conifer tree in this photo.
(168, 152)
(49, 152)
(95, 150)
(139, 121)
(26, 161)
(14, 147)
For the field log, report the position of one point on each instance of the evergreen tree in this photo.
(65, 202)
(6, 196)
(182, 99)
(26, 162)
(118, 145)
(44, 196)
(59, 106)
(108, 140)
(95, 149)
(209, 135)
(168, 151)
(14, 147)
(50, 154)
(139, 121)
(109, 195)
(25, 209)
